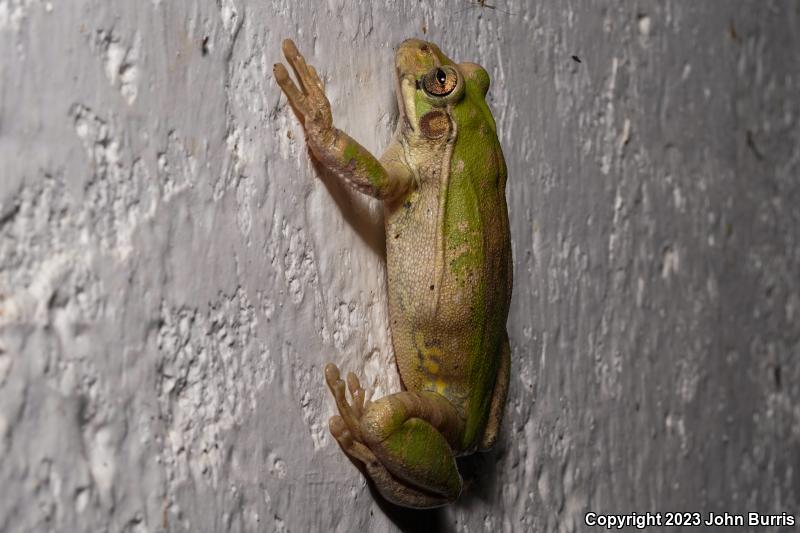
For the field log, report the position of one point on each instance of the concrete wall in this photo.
(174, 275)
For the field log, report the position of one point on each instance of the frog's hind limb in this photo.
(405, 441)
(389, 486)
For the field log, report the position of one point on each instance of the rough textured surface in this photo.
(174, 275)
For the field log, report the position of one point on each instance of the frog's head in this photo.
(432, 89)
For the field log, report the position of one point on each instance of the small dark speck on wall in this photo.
(576, 59)
(751, 143)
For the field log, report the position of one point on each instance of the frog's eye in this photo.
(440, 81)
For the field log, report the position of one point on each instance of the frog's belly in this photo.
(442, 325)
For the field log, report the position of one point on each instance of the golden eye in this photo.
(439, 81)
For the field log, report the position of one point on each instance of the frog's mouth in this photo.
(405, 102)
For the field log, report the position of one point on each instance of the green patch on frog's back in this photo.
(472, 191)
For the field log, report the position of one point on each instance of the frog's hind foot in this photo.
(390, 487)
(351, 447)
(351, 412)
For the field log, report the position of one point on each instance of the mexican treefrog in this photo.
(448, 259)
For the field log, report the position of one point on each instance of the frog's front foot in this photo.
(307, 97)
(403, 440)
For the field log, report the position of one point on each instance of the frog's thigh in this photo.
(498, 397)
(390, 487)
(408, 432)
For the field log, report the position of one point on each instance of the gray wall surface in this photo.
(174, 274)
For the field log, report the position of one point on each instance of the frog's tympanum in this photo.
(448, 259)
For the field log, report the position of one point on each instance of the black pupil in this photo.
(441, 77)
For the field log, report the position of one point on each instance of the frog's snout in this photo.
(415, 57)
(414, 43)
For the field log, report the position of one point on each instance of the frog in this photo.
(442, 183)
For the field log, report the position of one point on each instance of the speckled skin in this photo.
(442, 181)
